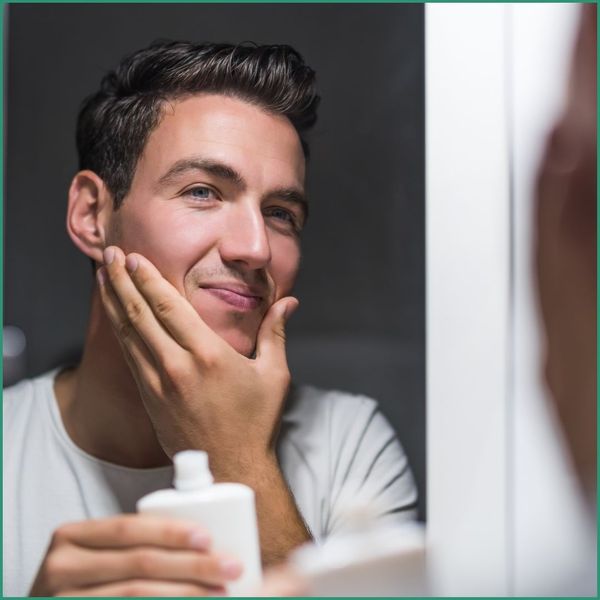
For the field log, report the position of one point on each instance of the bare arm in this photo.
(281, 526)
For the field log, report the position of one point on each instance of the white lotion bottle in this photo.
(226, 510)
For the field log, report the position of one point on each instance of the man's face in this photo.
(216, 203)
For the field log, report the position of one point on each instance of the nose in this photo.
(245, 241)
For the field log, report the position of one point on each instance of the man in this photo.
(190, 202)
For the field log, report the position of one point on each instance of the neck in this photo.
(100, 405)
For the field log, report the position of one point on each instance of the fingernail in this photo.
(131, 262)
(290, 309)
(101, 275)
(231, 568)
(109, 255)
(199, 539)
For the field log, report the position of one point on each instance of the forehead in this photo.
(259, 144)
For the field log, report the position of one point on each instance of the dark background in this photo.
(361, 323)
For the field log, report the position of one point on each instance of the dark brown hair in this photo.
(114, 123)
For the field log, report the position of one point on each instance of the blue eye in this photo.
(284, 219)
(200, 192)
(280, 213)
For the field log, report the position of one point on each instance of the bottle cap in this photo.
(191, 470)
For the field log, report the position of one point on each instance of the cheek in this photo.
(172, 242)
(285, 262)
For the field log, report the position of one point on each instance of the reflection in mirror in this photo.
(193, 208)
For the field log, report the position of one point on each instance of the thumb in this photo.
(270, 343)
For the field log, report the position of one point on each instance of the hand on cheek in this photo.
(198, 391)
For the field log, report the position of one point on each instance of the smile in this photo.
(239, 298)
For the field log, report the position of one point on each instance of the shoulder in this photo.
(337, 420)
(313, 408)
(24, 398)
(347, 437)
(15, 397)
(305, 400)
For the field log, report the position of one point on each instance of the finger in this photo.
(93, 567)
(270, 345)
(134, 311)
(135, 530)
(173, 311)
(145, 588)
(135, 350)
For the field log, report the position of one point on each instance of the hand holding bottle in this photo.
(132, 555)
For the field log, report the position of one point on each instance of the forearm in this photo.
(280, 523)
(281, 526)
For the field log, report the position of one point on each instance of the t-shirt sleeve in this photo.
(370, 467)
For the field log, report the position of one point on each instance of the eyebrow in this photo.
(223, 171)
(216, 168)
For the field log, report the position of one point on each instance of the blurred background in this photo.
(361, 323)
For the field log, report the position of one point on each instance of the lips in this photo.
(240, 297)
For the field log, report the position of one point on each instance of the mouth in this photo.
(241, 297)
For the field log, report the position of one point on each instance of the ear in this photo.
(89, 209)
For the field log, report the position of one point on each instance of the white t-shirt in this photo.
(334, 448)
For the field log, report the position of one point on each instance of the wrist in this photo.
(255, 470)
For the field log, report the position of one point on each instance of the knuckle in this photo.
(174, 535)
(173, 368)
(135, 310)
(209, 358)
(164, 307)
(123, 527)
(60, 536)
(208, 566)
(279, 332)
(124, 330)
(57, 567)
(52, 564)
(145, 563)
(196, 349)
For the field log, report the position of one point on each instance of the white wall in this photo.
(467, 217)
(503, 514)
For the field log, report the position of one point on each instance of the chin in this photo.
(239, 331)
(240, 342)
